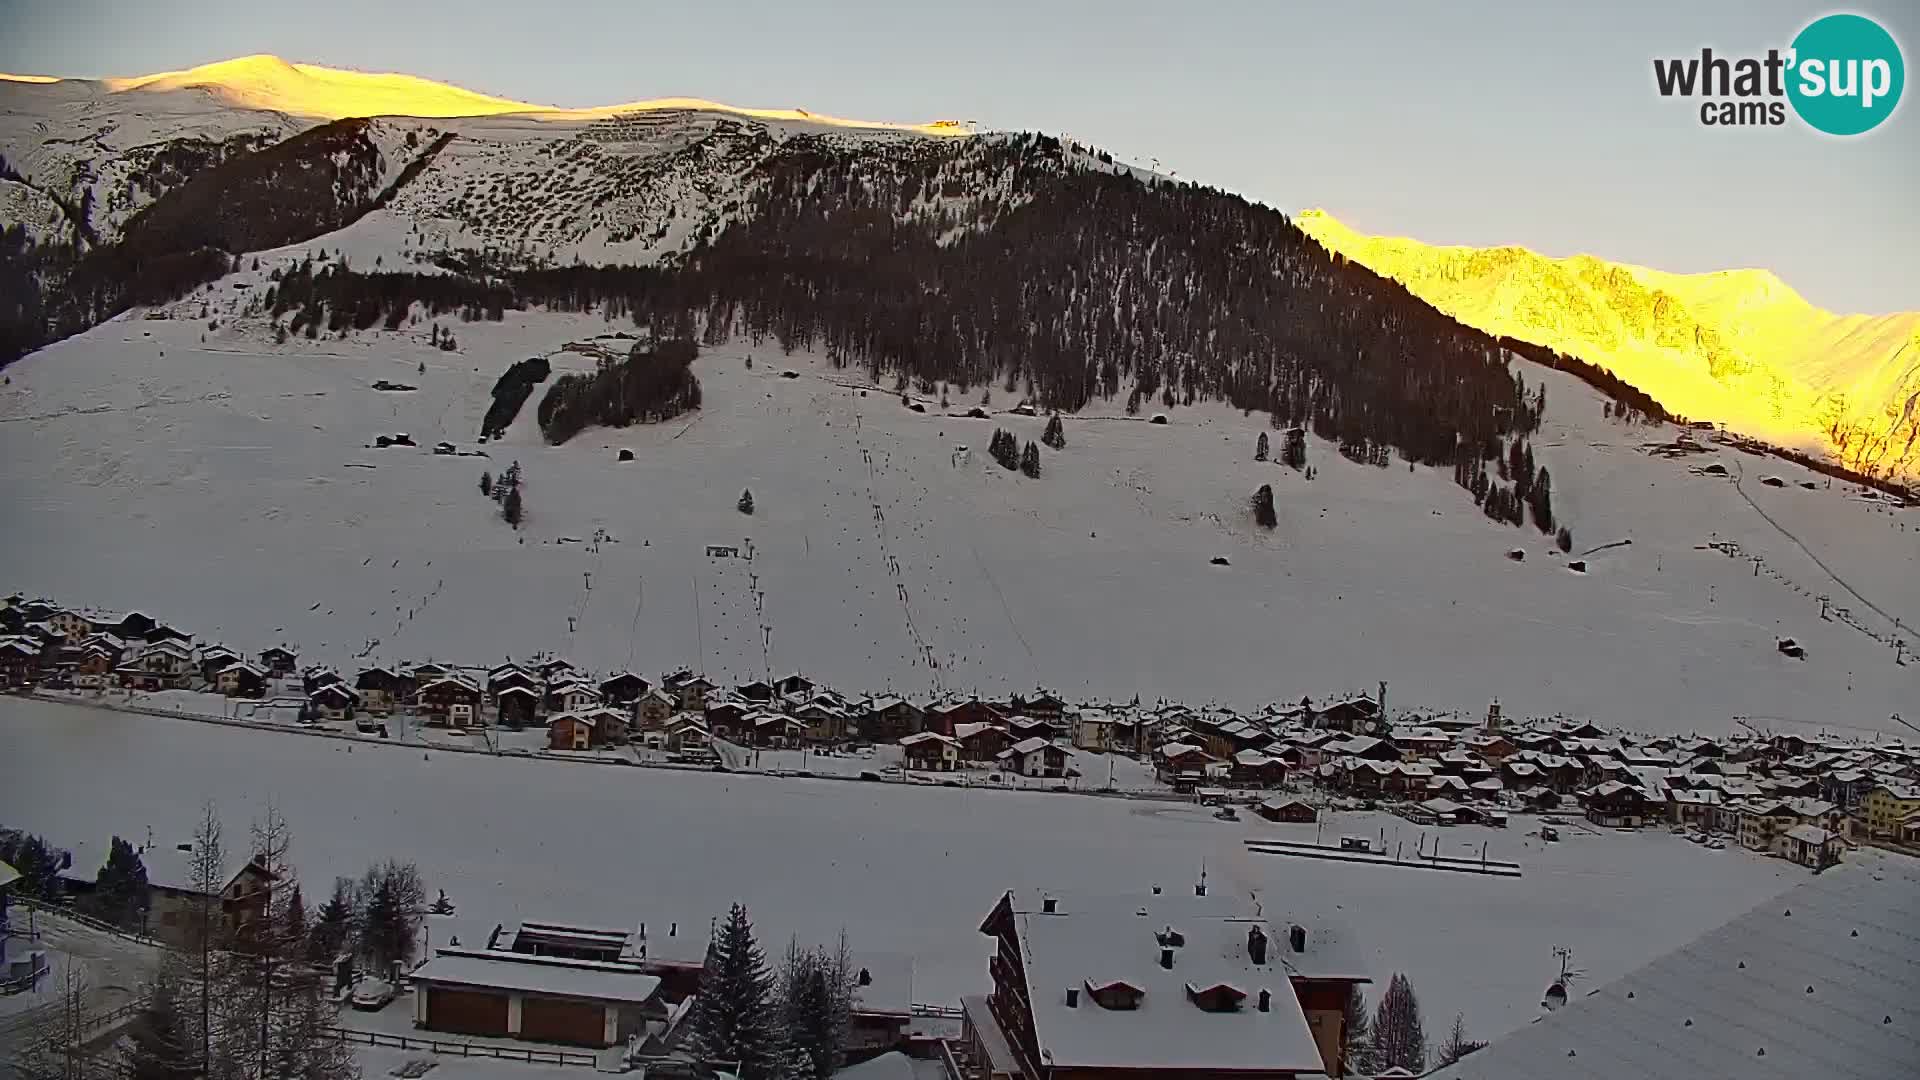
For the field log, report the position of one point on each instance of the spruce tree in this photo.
(734, 1019)
(1564, 538)
(510, 507)
(486, 483)
(1358, 1048)
(1398, 1037)
(1263, 511)
(1056, 434)
(1260, 447)
(745, 505)
(1030, 461)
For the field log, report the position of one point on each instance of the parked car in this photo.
(371, 995)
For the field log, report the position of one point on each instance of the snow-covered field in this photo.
(229, 486)
(903, 869)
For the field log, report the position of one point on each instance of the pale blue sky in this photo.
(1472, 121)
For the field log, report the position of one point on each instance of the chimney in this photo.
(1266, 1001)
(866, 977)
(1257, 945)
(1049, 905)
(1297, 938)
(672, 929)
(1166, 957)
(1073, 997)
(1156, 890)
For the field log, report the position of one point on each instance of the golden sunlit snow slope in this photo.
(270, 83)
(1736, 346)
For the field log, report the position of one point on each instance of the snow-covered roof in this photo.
(968, 731)
(1032, 745)
(538, 975)
(1166, 1030)
(1178, 749)
(1811, 834)
(1819, 978)
(928, 736)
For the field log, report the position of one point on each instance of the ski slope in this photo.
(231, 485)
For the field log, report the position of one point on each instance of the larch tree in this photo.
(1458, 1043)
(207, 937)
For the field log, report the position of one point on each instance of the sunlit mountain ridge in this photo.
(1738, 347)
(310, 90)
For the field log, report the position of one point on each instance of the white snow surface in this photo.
(230, 485)
(902, 869)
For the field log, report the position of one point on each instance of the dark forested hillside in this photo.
(1008, 262)
(232, 200)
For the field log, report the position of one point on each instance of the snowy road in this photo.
(903, 869)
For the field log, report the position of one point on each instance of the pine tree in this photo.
(1260, 448)
(332, 928)
(510, 507)
(486, 483)
(734, 1019)
(1030, 461)
(1263, 511)
(1458, 1044)
(745, 505)
(1564, 538)
(1056, 434)
(1358, 1049)
(120, 890)
(1398, 1037)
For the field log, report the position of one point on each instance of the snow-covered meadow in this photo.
(905, 869)
(230, 486)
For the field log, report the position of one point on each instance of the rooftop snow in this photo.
(1815, 982)
(1166, 1030)
(530, 975)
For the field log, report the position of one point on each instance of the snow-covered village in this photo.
(1295, 793)
(1044, 585)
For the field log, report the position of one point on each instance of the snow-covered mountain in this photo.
(218, 461)
(1738, 347)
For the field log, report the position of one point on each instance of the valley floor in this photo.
(904, 869)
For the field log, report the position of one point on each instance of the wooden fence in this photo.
(455, 1048)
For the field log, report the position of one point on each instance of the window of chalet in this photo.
(1218, 998)
(1118, 995)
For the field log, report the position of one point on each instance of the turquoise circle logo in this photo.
(1847, 74)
